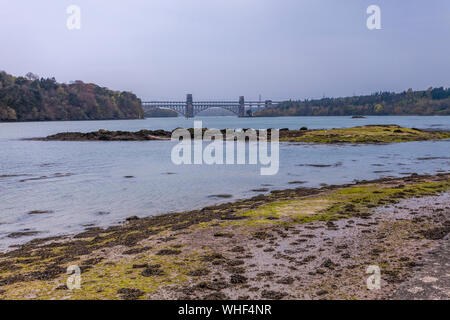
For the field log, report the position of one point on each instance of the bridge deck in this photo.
(189, 107)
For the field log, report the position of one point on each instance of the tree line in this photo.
(160, 113)
(434, 101)
(31, 98)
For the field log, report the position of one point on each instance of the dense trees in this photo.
(160, 113)
(32, 99)
(429, 102)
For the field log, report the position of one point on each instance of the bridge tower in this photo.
(189, 106)
(241, 106)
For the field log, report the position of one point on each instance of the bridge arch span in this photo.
(191, 108)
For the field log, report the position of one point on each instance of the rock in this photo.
(153, 270)
(35, 212)
(132, 218)
(329, 264)
(238, 279)
(102, 213)
(222, 196)
(21, 234)
(273, 295)
(130, 293)
(198, 272)
(168, 252)
(321, 292)
(286, 280)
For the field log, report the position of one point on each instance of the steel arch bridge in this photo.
(191, 108)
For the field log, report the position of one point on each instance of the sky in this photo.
(222, 49)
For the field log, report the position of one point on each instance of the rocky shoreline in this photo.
(302, 243)
(105, 135)
(370, 134)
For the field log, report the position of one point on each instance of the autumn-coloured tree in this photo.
(32, 99)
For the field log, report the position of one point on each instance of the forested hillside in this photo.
(160, 113)
(32, 99)
(428, 102)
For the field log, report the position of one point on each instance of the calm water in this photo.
(84, 183)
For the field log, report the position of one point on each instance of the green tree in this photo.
(378, 109)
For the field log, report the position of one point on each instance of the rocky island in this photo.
(364, 134)
(370, 134)
(105, 135)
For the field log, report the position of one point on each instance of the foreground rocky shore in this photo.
(302, 243)
(362, 135)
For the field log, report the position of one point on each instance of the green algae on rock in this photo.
(364, 134)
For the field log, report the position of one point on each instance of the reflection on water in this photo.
(70, 185)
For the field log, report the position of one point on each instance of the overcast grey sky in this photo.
(225, 48)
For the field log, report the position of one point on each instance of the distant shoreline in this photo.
(255, 117)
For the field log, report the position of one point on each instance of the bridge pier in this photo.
(189, 106)
(241, 111)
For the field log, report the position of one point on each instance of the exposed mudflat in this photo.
(327, 260)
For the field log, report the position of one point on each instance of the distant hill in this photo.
(428, 102)
(33, 99)
(160, 113)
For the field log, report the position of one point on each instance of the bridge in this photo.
(191, 108)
